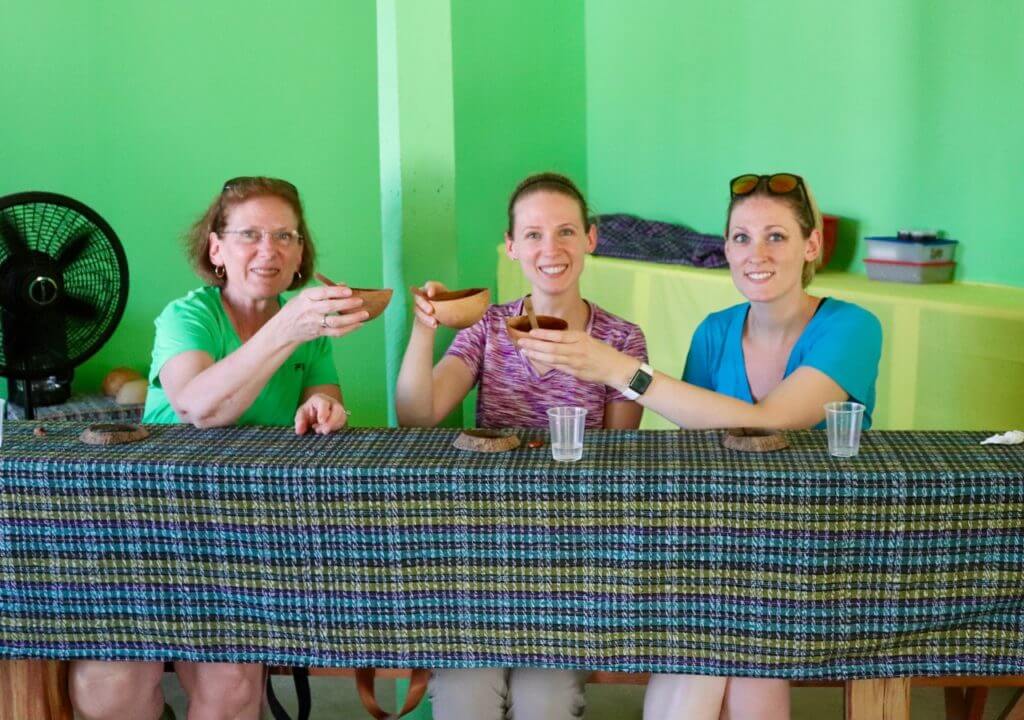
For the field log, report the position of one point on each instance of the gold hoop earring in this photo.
(218, 270)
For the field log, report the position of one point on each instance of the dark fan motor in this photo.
(63, 288)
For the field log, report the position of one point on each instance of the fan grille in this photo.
(51, 236)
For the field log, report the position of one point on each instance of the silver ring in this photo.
(323, 322)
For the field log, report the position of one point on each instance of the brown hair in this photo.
(235, 192)
(547, 182)
(806, 212)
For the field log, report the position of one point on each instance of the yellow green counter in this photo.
(952, 354)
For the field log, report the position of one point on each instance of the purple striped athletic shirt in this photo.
(512, 394)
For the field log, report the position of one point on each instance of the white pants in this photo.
(500, 694)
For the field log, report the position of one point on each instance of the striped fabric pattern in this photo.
(86, 408)
(659, 551)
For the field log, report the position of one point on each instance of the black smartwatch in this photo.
(641, 381)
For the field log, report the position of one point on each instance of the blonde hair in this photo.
(811, 266)
(808, 217)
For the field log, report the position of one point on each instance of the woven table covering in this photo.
(658, 551)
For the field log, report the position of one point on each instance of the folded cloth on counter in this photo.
(1011, 437)
(634, 238)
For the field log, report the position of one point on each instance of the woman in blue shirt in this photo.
(771, 362)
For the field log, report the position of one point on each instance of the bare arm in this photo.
(206, 393)
(424, 395)
(796, 403)
(213, 394)
(622, 415)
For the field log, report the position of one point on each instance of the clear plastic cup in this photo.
(567, 425)
(842, 423)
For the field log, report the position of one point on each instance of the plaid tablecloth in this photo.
(658, 551)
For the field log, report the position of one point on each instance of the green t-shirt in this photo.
(198, 322)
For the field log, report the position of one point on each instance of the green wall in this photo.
(519, 93)
(520, 108)
(142, 110)
(417, 151)
(901, 113)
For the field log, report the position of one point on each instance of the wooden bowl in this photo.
(459, 308)
(518, 327)
(374, 301)
(754, 440)
(132, 392)
(118, 377)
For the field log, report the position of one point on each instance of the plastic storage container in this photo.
(911, 250)
(909, 272)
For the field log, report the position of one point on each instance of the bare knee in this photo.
(695, 697)
(101, 690)
(233, 689)
(757, 699)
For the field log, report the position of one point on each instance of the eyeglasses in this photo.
(251, 236)
(777, 184)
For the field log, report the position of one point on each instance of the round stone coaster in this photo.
(477, 440)
(754, 440)
(113, 434)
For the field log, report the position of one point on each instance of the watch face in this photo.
(640, 382)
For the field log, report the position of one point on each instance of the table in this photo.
(659, 551)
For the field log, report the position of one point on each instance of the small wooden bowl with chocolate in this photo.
(518, 327)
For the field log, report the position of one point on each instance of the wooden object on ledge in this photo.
(754, 440)
(486, 441)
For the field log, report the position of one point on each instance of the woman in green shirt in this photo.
(234, 353)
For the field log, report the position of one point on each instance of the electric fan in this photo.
(63, 286)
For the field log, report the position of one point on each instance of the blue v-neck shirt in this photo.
(842, 340)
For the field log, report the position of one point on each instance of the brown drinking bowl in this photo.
(374, 301)
(459, 308)
(519, 327)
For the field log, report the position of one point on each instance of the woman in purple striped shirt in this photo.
(549, 233)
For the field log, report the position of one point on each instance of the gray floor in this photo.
(336, 699)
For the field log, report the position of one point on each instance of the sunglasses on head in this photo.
(777, 184)
(247, 179)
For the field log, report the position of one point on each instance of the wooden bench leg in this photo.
(36, 689)
(887, 699)
(1015, 710)
(965, 703)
